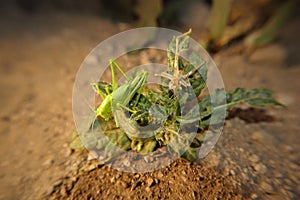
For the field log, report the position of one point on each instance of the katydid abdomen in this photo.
(104, 109)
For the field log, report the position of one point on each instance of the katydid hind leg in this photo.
(113, 75)
(121, 70)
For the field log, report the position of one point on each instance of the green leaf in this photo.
(183, 44)
(118, 138)
(198, 79)
(217, 106)
(194, 60)
(190, 154)
(76, 142)
(83, 128)
(259, 102)
(257, 97)
(148, 147)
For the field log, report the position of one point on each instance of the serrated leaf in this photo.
(195, 59)
(217, 106)
(259, 102)
(198, 79)
(183, 44)
(256, 97)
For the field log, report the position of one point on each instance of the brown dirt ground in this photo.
(39, 57)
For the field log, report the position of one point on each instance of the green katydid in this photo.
(115, 97)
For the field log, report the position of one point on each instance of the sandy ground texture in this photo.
(39, 57)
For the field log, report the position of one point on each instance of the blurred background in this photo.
(223, 21)
(255, 43)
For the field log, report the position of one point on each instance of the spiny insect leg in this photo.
(194, 70)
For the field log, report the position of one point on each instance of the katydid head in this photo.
(102, 88)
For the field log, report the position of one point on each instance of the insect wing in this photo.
(123, 94)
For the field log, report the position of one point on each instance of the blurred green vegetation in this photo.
(219, 17)
(148, 12)
(272, 27)
(254, 22)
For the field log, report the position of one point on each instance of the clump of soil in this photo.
(180, 180)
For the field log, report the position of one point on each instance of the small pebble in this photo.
(126, 162)
(261, 168)
(92, 155)
(48, 162)
(232, 172)
(57, 183)
(184, 179)
(245, 176)
(74, 179)
(149, 159)
(49, 190)
(63, 192)
(294, 166)
(124, 184)
(135, 185)
(245, 170)
(254, 158)
(118, 176)
(150, 182)
(136, 176)
(112, 179)
(266, 187)
(253, 196)
(226, 171)
(258, 136)
(68, 152)
(295, 179)
(90, 167)
(279, 175)
(160, 174)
